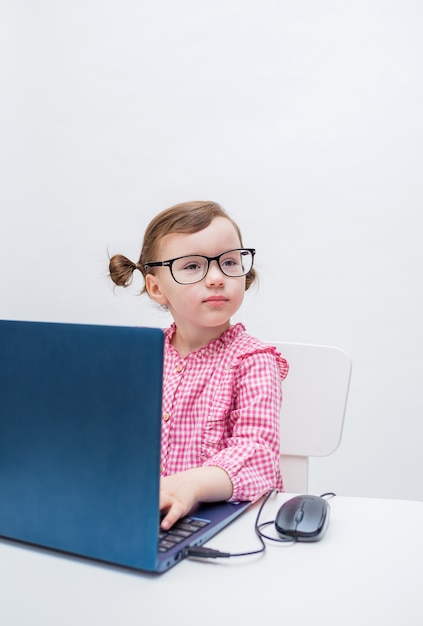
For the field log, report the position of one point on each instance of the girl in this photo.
(221, 387)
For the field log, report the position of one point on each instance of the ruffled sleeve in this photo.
(282, 363)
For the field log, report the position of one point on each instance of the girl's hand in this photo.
(181, 491)
(176, 498)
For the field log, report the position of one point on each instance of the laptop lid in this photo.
(80, 420)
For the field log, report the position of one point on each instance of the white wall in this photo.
(303, 118)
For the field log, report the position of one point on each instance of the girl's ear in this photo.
(153, 290)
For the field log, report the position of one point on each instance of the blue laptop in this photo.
(80, 419)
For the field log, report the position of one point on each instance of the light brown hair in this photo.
(186, 217)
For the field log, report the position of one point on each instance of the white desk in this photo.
(366, 571)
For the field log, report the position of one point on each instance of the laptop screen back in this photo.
(80, 415)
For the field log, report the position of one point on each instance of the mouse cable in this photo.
(209, 553)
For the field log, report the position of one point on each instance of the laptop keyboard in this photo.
(182, 529)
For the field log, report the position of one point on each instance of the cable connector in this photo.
(206, 553)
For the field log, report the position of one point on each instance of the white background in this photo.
(302, 118)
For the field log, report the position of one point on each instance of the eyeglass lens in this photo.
(191, 269)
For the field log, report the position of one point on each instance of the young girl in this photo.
(221, 387)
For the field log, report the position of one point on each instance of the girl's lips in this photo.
(216, 300)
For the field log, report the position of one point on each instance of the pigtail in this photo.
(121, 270)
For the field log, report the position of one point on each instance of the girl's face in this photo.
(205, 306)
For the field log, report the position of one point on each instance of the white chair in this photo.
(315, 394)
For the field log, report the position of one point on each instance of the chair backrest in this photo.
(315, 395)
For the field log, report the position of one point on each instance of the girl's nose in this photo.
(215, 276)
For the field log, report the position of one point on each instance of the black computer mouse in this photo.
(303, 518)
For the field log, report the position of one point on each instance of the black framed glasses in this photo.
(192, 268)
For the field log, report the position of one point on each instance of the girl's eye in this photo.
(190, 264)
(192, 267)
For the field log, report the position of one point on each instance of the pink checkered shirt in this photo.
(221, 408)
